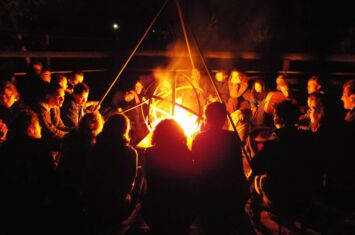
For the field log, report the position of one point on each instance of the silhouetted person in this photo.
(27, 179)
(292, 171)
(222, 185)
(31, 86)
(341, 178)
(168, 205)
(76, 148)
(110, 176)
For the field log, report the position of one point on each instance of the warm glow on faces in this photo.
(313, 86)
(37, 69)
(347, 99)
(78, 79)
(258, 88)
(138, 87)
(56, 99)
(46, 76)
(220, 76)
(64, 84)
(285, 90)
(235, 77)
(81, 98)
(7, 99)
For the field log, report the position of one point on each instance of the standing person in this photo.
(238, 91)
(257, 103)
(222, 185)
(168, 204)
(110, 177)
(73, 107)
(32, 87)
(75, 78)
(222, 87)
(48, 111)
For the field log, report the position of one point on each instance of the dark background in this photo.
(269, 27)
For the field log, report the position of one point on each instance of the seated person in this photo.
(281, 185)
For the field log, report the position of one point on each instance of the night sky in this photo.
(254, 25)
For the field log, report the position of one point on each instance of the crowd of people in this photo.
(70, 166)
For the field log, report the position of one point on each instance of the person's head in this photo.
(116, 129)
(168, 132)
(282, 85)
(236, 77)
(349, 94)
(61, 80)
(77, 77)
(316, 107)
(285, 114)
(313, 85)
(259, 86)
(46, 75)
(36, 67)
(216, 115)
(81, 93)
(128, 96)
(91, 124)
(220, 76)
(138, 87)
(27, 124)
(54, 95)
(8, 94)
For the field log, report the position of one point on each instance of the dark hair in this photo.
(216, 114)
(91, 123)
(316, 79)
(76, 72)
(57, 78)
(52, 88)
(116, 130)
(37, 62)
(80, 88)
(288, 111)
(168, 131)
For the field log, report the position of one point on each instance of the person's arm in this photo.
(48, 127)
(69, 116)
(3, 131)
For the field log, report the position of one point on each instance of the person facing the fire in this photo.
(168, 203)
(222, 186)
